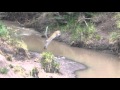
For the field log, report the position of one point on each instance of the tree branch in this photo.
(46, 32)
(86, 23)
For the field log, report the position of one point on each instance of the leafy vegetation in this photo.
(48, 62)
(34, 72)
(79, 31)
(117, 17)
(12, 39)
(3, 31)
(4, 70)
(20, 70)
(21, 44)
(114, 36)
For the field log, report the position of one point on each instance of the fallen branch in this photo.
(46, 32)
(86, 23)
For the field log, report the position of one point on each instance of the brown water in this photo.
(100, 64)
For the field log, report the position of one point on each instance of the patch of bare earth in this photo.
(67, 68)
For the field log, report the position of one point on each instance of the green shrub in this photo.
(18, 69)
(117, 16)
(4, 70)
(97, 37)
(83, 33)
(48, 62)
(114, 36)
(3, 31)
(34, 72)
(79, 31)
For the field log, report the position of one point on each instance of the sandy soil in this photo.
(67, 68)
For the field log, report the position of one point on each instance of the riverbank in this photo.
(22, 68)
(90, 30)
(16, 62)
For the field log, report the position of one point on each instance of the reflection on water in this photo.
(100, 65)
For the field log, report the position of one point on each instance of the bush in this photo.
(117, 17)
(114, 36)
(48, 63)
(3, 31)
(79, 31)
(3, 70)
(18, 69)
(34, 72)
